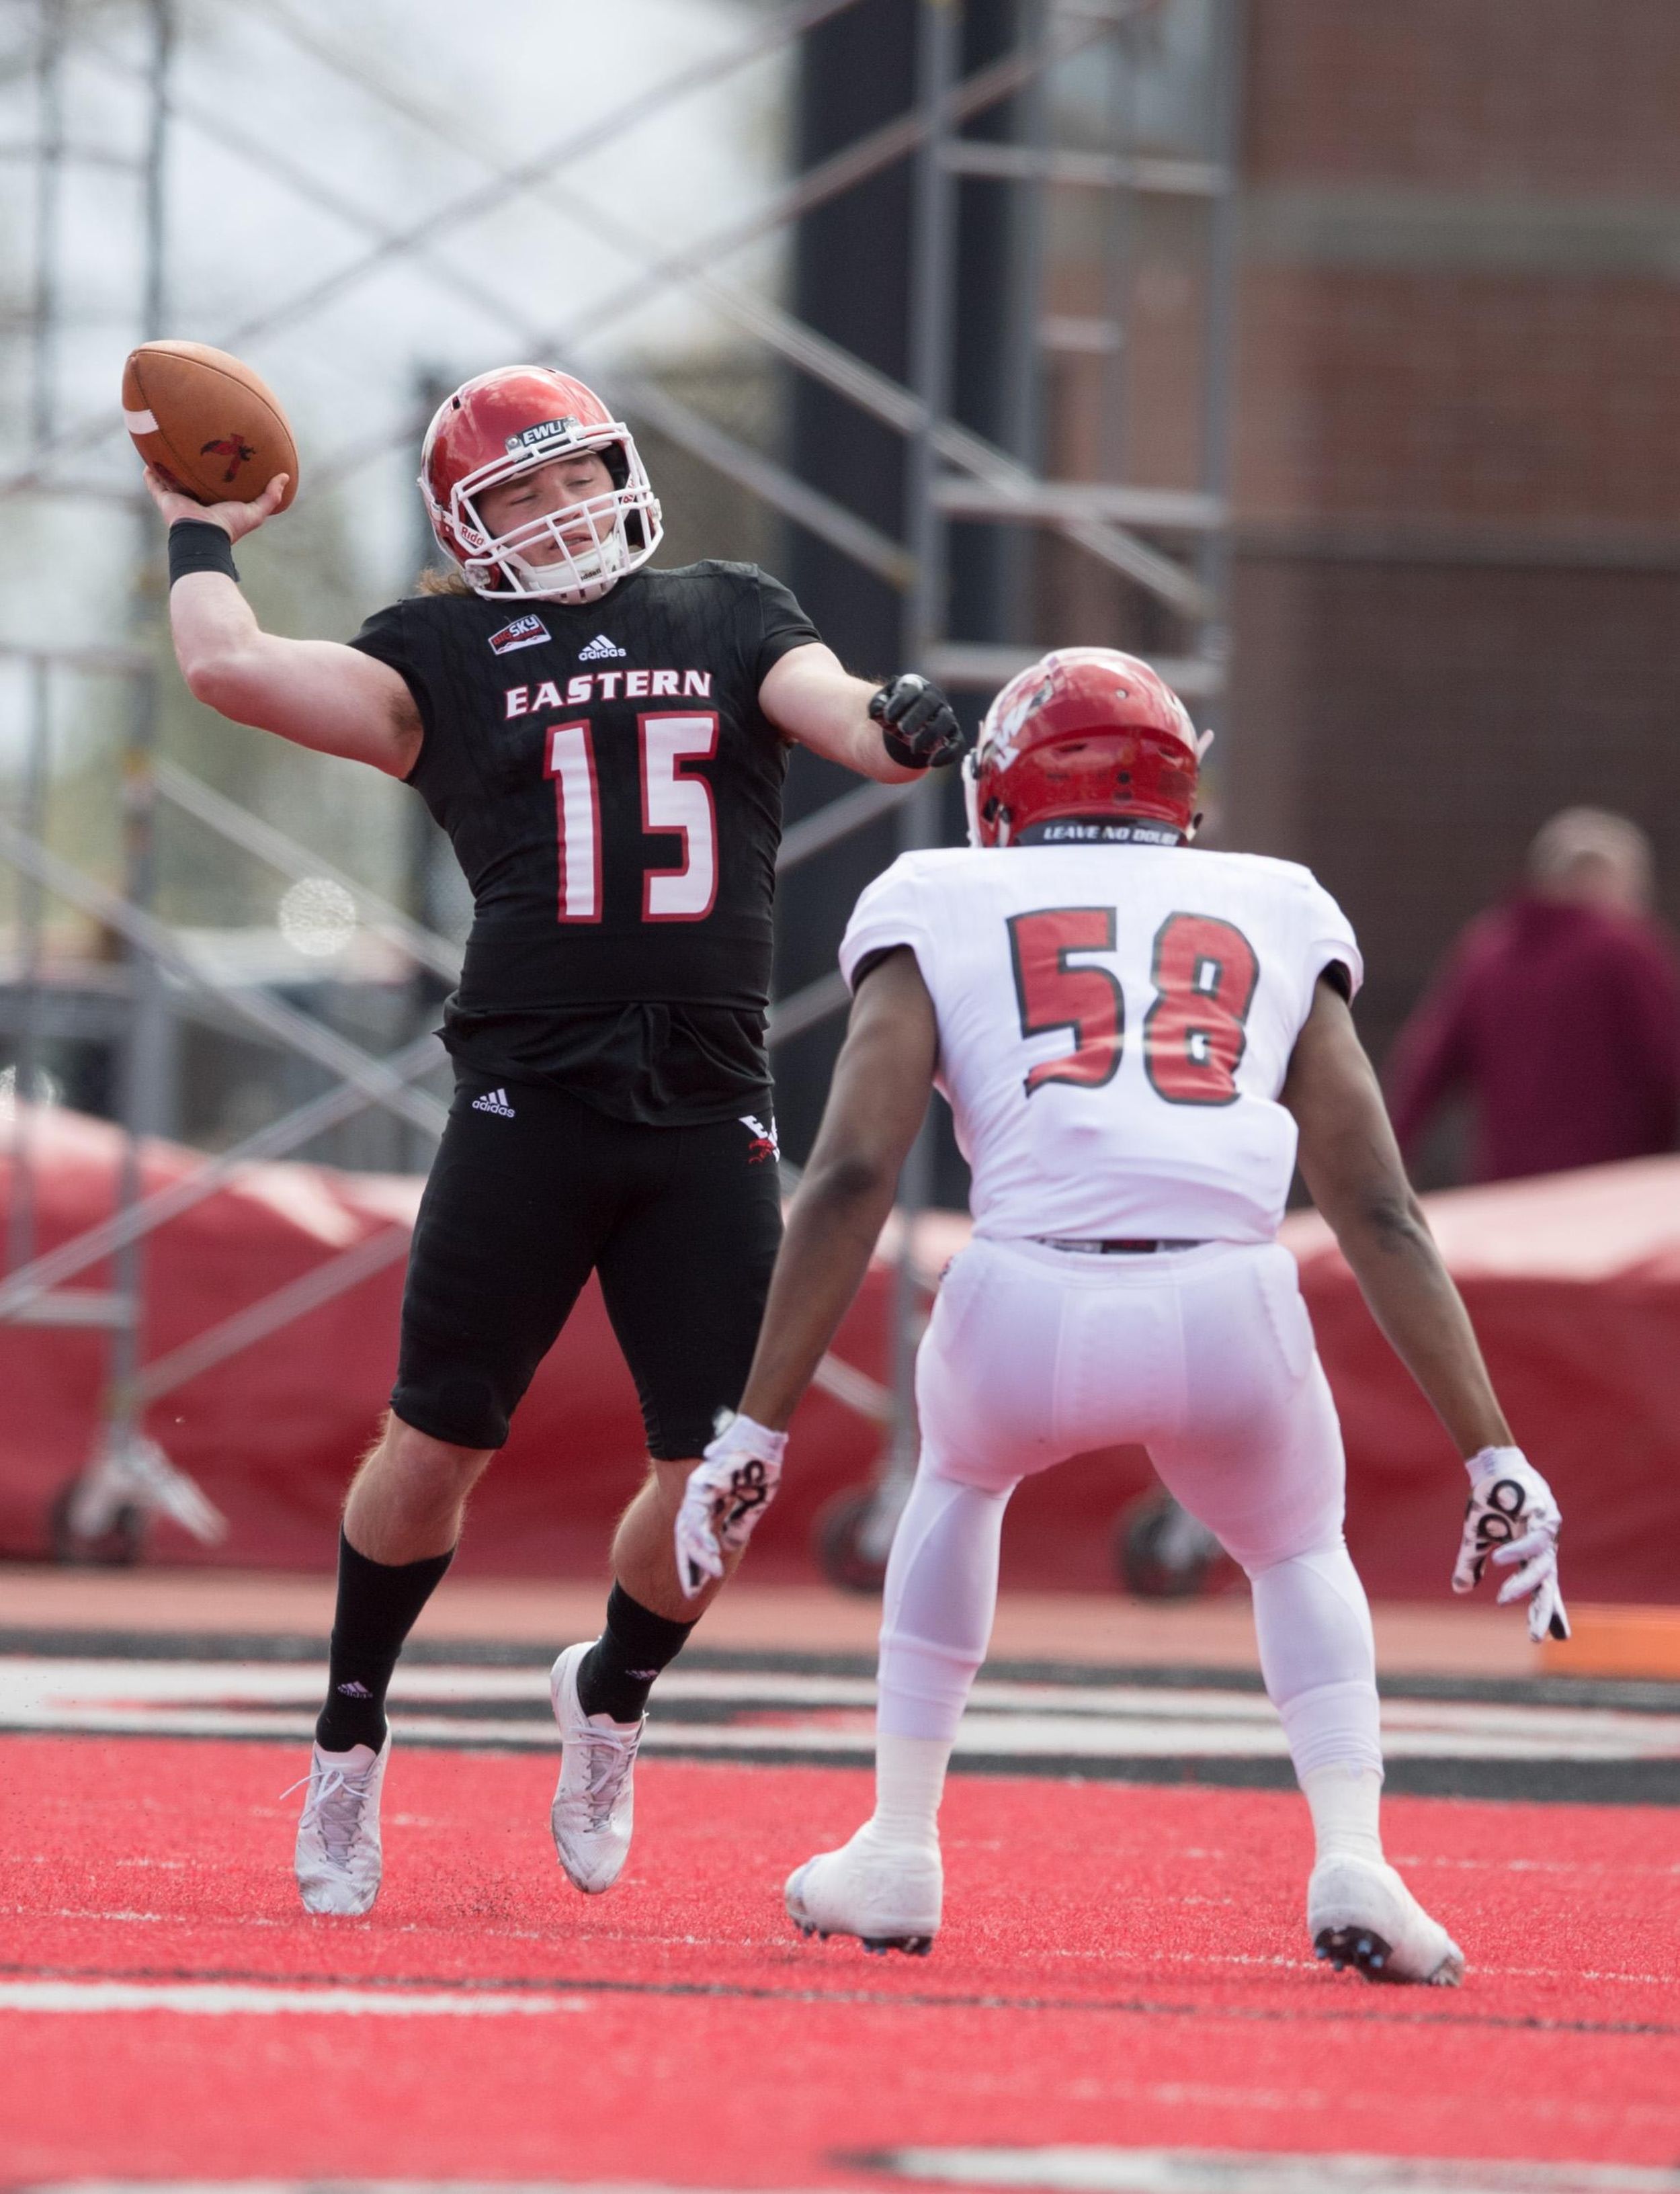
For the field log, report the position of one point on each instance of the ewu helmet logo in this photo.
(550, 430)
(523, 632)
(764, 1144)
(237, 453)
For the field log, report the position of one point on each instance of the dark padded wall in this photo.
(851, 281)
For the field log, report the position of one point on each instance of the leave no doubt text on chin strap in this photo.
(1090, 830)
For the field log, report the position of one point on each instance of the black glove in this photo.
(918, 725)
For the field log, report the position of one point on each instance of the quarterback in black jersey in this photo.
(605, 745)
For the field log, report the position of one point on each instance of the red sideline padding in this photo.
(1574, 1284)
(273, 1434)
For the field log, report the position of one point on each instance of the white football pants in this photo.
(1207, 1357)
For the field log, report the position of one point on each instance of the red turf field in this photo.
(1120, 1965)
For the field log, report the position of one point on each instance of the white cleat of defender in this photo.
(338, 1859)
(594, 1804)
(889, 1896)
(1361, 1913)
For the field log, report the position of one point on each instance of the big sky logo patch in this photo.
(523, 632)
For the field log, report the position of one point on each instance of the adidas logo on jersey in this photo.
(494, 1100)
(599, 649)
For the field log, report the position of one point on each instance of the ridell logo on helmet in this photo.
(551, 430)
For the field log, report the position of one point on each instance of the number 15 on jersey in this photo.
(673, 801)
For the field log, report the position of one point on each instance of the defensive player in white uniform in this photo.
(1137, 1041)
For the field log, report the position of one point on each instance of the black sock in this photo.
(378, 1604)
(617, 1673)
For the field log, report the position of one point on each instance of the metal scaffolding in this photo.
(1166, 544)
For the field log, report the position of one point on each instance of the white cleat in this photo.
(889, 1896)
(338, 1859)
(594, 1804)
(1361, 1913)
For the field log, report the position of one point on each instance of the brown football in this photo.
(206, 423)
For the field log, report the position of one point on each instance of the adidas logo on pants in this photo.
(494, 1100)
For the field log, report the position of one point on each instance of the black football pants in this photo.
(531, 1191)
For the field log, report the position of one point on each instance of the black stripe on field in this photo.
(1629, 1695)
(1348, 2005)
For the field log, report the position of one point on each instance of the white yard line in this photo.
(1073, 2170)
(1061, 2170)
(226, 2000)
(772, 1715)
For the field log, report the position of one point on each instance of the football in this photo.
(206, 423)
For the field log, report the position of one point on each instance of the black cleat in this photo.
(1366, 1953)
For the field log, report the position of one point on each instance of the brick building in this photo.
(1455, 426)
(1457, 585)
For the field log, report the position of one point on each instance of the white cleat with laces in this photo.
(888, 1895)
(1361, 1913)
(338, 1859)
(595, 1799)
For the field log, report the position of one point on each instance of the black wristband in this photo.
(200, 544)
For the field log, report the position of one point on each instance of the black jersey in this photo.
(613, 792)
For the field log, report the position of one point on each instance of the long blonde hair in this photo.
(436, 579)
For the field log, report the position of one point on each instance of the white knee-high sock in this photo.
(941, 1593)
(1345, 1803)
(909, 1784)
(1313, 1623)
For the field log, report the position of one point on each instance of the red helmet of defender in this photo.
(510, 421)
(1085, 733)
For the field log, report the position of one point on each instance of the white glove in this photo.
(725, 1496)
(1514, 1517)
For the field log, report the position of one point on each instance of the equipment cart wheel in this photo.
(119, 1547)
(849, 1551)
(1162, 1553)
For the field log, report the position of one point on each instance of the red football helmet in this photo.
(510, 421)
(1087, 734)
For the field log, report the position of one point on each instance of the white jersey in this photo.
(1115, 1022)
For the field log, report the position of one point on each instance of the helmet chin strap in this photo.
(1100, 830)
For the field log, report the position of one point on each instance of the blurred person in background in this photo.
(1557, 1014)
